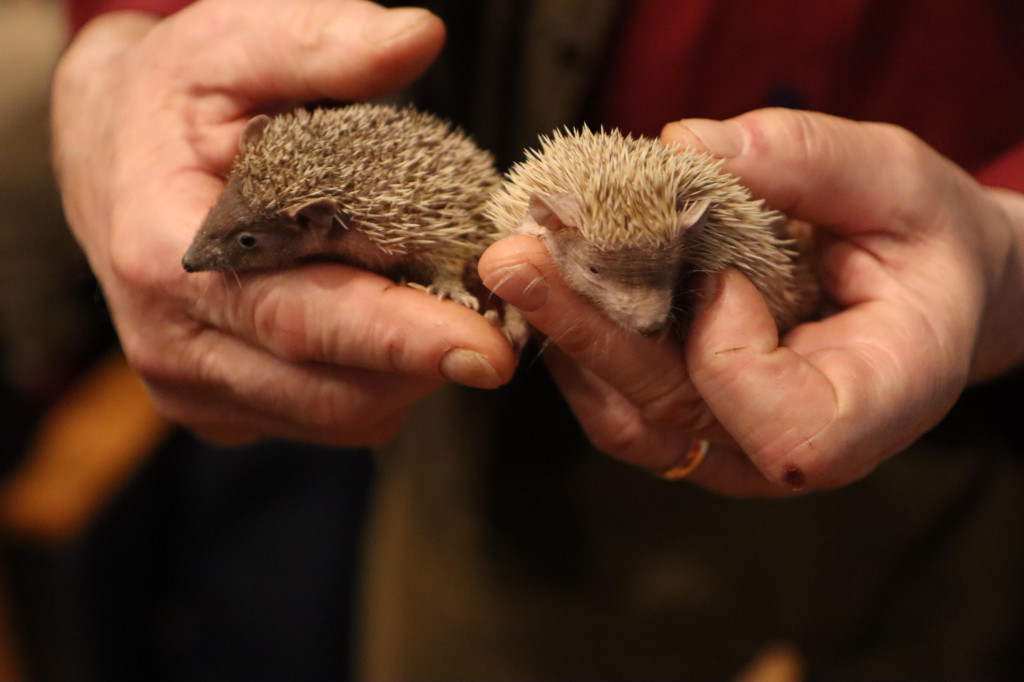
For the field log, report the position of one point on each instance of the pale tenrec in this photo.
(630, 222)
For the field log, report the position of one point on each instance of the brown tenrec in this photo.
(393, 190)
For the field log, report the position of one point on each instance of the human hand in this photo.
(920, 259)
(147, 115)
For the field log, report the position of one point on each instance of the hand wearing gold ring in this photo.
(687, 463)
(918, 257)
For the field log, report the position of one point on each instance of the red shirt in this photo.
(952, 71)
(81, 11)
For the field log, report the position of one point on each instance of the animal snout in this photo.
(644, 314)
(652, 329)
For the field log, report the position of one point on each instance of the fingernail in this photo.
(391, 26)
(720, 138)
(469, 368)
(521, 285)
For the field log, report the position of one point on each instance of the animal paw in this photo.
(512, 324)
(450, 291)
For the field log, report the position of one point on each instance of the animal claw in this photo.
(450, 292)
(512, 325)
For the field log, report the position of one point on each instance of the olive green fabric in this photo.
(502, 547)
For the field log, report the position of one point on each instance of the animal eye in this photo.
(596, 270)
(246, 240)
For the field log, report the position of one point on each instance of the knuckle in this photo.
(306, 22)
(356, 422)
(617, 438)
(584, 335)
(770, 129)
(150, 363)
(910, 167)
(128, 264)
(798, 131)
(307, 41)
(281, 325)
(809, 139)
(396, 350)
(905, 149)
(678, 406)
(899, 138)
(170, 405)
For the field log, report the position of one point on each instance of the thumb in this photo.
(305, 49)
(774, 403)
(850, 176)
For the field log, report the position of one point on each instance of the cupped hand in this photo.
(918, 259)
(147, 114)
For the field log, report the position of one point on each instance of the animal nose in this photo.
(652, 329)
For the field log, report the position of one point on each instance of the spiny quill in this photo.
(393, 190)
(630, 222)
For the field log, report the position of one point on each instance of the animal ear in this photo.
(555, 211)
(316, 214)
(253, 132)
(692, 218)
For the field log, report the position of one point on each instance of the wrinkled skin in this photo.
(925, 264)
(147, 116)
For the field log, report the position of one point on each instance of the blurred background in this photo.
(74, 423)
(126, 545)
(128, 549)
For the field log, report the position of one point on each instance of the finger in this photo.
(892, 206)
(265, 56)
(324, 312)
(345, 417)
(349, 317)
(726, 470)
(214, 419)
(811, 166)
(308, 50)
(649, 373)
(748, 381)
(619, 428)
(240, 391)
(814, 413)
